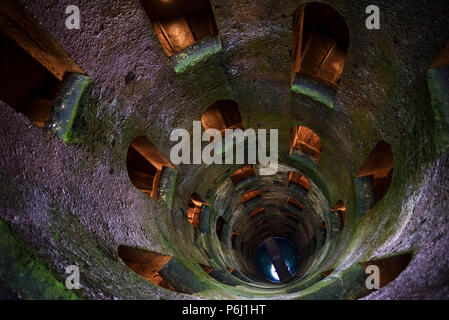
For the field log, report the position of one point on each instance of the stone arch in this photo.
(150, 171)
(378, 168)
(221, 115)
(194, 209)
(305, 141)
(146, 264)
(180, 24)
(321, 40)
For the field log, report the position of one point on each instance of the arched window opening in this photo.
(256, 212)
(321, 41)
(38, 78)
(219, 227)
(379, 167)
(194, 209)
(207, 269)
(390, 268)
(297, 180)
(146, 264)
(222, 115)
(26, 85)
(243, 174)
(250, 196)
(145, 164)
(180, 24)
(294, 204)
(305, 141)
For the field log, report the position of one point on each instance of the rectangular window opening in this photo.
(242, 174)
(180, 23)
(250, 195)
(146, 264)
(194, 209)
(32, 64)
(26, 85)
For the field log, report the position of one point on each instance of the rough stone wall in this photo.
(74, 203)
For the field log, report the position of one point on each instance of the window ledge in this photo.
(67, 106)
(196, 53)
(438, 83)
(205, 219)
(167, 185)
(315, 90)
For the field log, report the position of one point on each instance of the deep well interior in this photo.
(86, 176)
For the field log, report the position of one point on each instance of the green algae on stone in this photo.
(25, 274)
(205, 214)
(349, 284)
(167, 186)
(196, 53)
(314, 90)
(365, 194)
(438, 83)
(336, 224)
(67, 105)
